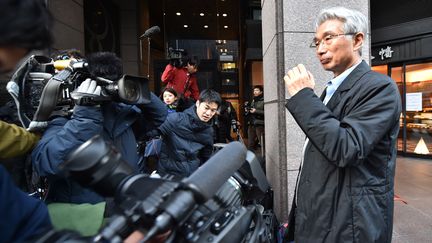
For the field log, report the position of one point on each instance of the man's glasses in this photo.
(327, 40)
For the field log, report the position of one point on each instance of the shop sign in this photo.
(386, 53)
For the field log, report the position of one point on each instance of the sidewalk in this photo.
(413, 185)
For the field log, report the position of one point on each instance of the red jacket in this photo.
(176, 78)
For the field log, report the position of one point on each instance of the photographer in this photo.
(256, 119)
(225, 120)
(25, 25)
(181, 76)
(111, 119)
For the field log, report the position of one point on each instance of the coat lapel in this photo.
(348, 83)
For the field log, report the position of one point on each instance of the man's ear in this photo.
(358, 41)
(197, 103)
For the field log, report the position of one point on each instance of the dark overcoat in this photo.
(345, 191)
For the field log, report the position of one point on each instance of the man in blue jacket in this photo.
(187, 137)
(112, 120)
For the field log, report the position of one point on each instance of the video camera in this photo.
(177, 57)
(225, 200)
(39, 91)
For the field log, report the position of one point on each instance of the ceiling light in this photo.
(226, 26)
(206, 26)
(201, 14)
(217, 15)
(185, 25)
(224, 15)
(178, 13)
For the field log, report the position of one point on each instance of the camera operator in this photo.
(111, 119)
(25, 25)
(181, 76)
(256, 119)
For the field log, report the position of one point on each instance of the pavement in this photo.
(413, 201)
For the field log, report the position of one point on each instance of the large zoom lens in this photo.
(98, 165)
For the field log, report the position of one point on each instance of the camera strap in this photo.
(186, 86)
(48, 102)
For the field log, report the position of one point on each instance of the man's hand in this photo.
(252, 110)
(297, 79)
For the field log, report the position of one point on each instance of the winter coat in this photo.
(15, 140)
(187, 142)
(346, 184)
(22, 217)
(176, 78)
(64, 135)
(257, 118)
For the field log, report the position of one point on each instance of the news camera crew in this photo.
(181, 76)
(113, 120)
(187, 137)
(24, 26)
(225, 121)
(255, 114)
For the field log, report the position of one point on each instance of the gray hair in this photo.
(353, 20)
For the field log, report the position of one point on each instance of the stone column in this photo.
(68, 26)
(287, 30)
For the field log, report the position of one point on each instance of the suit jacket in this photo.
(345, 191)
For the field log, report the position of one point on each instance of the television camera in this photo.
(177, 57)
(39, 91)
(228, 199)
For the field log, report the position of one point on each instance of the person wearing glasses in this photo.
(345, 186)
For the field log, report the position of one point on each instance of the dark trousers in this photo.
(255, 134)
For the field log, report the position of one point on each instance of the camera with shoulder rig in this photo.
(177, 57)
(228, 199)
(40, 92)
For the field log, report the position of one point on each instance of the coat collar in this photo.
(355, 75)
(349, 82)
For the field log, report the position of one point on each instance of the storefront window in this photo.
(414, 82)
(419, 108)
(381, 69)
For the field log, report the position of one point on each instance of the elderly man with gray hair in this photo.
(345, 186)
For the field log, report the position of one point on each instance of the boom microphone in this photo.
(217, 170)
(153, 30)
(203, 184)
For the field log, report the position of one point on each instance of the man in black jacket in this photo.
(256, 118)
(187, 137)
(345, 185)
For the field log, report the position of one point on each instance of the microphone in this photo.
(151, 31)
(202, 185)
(207, 180)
